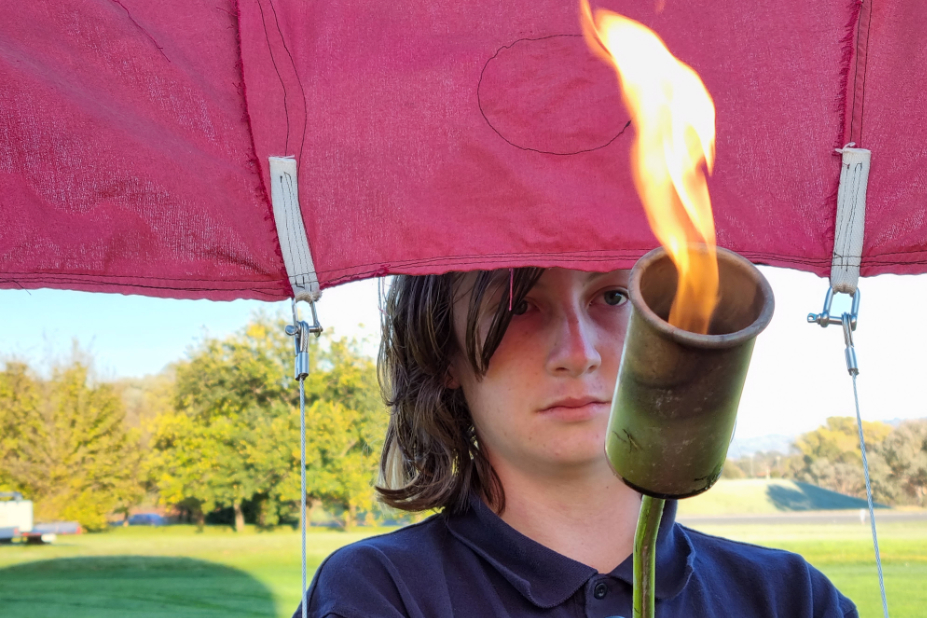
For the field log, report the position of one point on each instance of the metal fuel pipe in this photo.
(677, 394)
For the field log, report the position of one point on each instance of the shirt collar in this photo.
(547, 578)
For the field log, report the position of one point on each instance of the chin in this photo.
(589, 452)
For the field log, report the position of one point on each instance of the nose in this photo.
(573, 351)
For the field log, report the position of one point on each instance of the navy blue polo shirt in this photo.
(473, 565)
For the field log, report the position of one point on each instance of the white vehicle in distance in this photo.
(16, 521)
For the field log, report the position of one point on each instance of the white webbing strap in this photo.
(851, 219)
(284, 195)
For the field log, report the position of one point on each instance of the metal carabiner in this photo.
(301, 331)
(824, 318)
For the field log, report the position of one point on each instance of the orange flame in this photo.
(674, 118)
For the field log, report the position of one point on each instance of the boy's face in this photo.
(543, 405)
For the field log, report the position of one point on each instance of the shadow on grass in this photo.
(805, 497)
(137, 586)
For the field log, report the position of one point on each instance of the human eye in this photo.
(521, 308)
(615, 297)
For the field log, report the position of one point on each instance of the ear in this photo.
(450, 380)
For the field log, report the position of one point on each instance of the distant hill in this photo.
(744, 447)
(757, 496)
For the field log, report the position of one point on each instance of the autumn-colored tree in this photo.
(762, 464)
(65, 444)
(899, 465)
(838, 440)
(831, 456)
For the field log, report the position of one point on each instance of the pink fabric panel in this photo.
(126, 161)
(431, 136)
(889, 87)
(444, 136)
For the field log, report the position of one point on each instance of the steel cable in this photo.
(302, 480)
(875, 538)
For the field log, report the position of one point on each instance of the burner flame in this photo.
(674, 119)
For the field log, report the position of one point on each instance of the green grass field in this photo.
(761, 496)
(177, 572)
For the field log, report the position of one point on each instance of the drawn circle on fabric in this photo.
(552, 95)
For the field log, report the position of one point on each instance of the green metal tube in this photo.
(677, 392)
(645, 555)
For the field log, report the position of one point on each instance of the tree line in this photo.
(830, 457)
(215, 433)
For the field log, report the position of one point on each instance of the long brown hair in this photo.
(431, 456)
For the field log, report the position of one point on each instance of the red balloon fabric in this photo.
(126, 163)
(135, 136)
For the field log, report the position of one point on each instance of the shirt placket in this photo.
(607, 597)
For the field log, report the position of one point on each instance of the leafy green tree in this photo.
(19, 400)
(218, 463)
(65, 444)
(228, 396)
(144, 400)
(342, 458)
(345, 426)
(233, 436)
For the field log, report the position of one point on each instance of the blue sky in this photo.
(137, 335)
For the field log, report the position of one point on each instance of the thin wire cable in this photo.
(875, 538)
(302, 479)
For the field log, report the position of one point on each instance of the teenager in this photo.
(500, 385)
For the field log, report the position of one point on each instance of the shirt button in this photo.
(600, 590)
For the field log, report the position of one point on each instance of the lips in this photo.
(580, 410)
(575, 402)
